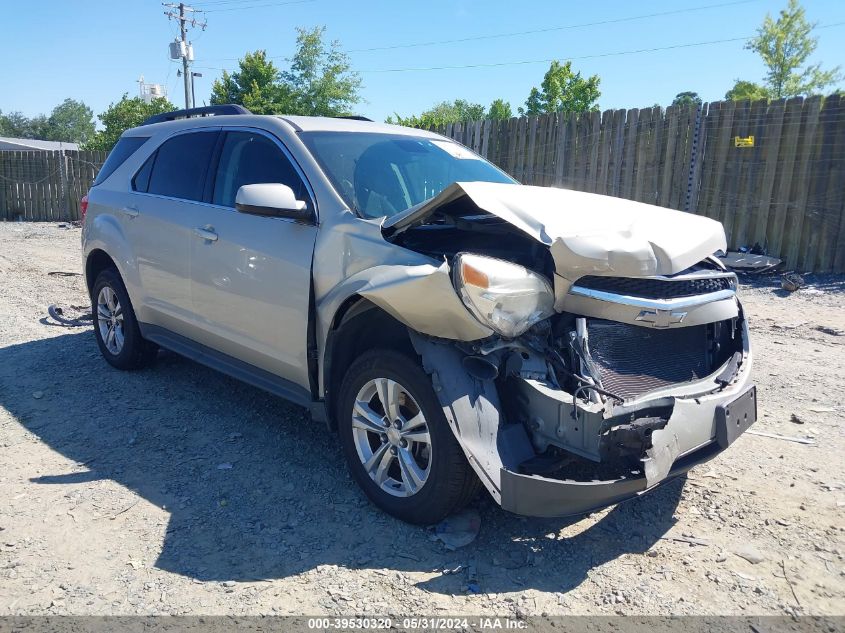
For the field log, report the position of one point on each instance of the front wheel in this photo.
(397, 441)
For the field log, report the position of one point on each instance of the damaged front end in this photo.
(632, 371)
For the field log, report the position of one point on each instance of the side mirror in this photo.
(272, 200)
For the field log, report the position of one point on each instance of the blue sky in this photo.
(95, 50)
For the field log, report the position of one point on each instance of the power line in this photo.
(505, 35)
(550, 29)
(565, 57)
(258, 6)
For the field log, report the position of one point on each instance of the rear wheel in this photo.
(397, 441)
(115, 325)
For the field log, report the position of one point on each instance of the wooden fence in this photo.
(37, 185)
(782, 190)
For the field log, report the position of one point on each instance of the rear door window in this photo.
(125, 147)
(248, 158)
(181, 164)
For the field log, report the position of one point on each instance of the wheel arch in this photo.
(96, 262)
(358, 325)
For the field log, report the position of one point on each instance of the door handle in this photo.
(206, 233)
(130, 212)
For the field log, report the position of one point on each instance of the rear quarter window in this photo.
(125, 147)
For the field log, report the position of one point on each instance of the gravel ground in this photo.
(177, 490)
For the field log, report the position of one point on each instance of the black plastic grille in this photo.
(632, 360)
(655, 288)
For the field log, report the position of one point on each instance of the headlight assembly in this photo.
(504, 296)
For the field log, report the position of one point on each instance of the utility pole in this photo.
(184, 47)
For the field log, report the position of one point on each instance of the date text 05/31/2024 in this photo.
(422, 623)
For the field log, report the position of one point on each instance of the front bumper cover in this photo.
(533, 495)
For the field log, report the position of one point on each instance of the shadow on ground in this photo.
(286, 505)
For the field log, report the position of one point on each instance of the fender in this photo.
(421, 297)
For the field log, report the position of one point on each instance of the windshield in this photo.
(385, 174)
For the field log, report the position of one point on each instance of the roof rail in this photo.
(215, 110)
(353, 117)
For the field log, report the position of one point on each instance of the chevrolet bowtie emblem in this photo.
(661, 318)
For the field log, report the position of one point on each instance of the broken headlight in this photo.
(504, 296)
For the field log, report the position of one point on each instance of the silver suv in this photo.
(561, 349)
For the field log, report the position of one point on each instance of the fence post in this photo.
(693, 155)
(63, 206)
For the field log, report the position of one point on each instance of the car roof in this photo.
(298, 123)
(342, 124)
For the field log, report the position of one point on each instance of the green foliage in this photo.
(687, 99)
(459, 110)
(563, 91)
(319, 82)
(71, 122)
(499, 109)
(747, 90)
(785, 45)
(119, 117)
(16, 125)
(256, 85)
(441, 114)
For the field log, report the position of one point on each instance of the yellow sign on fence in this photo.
(743, 141)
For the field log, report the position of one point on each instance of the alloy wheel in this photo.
(391, 437)
(110, 320)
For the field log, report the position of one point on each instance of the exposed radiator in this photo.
(632, 360)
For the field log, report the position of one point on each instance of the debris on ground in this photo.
(791, 282)
(458, 530)
(749, 553)
(785, 438)
(829, 330)
(750, 262)
(795, 419)
(82, 319)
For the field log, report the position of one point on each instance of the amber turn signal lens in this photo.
(474, 277)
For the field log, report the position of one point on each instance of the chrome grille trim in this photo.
(652, 304)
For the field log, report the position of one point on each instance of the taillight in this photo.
(83, 206)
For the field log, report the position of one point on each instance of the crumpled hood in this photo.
(586, 233)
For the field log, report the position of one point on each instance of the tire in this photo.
(449, 482)
(126, 349)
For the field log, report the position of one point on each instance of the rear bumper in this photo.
(532, 495)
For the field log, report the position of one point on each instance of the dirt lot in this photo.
(178, 490)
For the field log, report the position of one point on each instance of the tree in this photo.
(71, 122)
(563, 91)
(499, 109)
(743, 90)
(319, 82)
(256, 85)
(121, 116)
(686, 99)
(15, 125)
(457, 111)
(785, 45)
